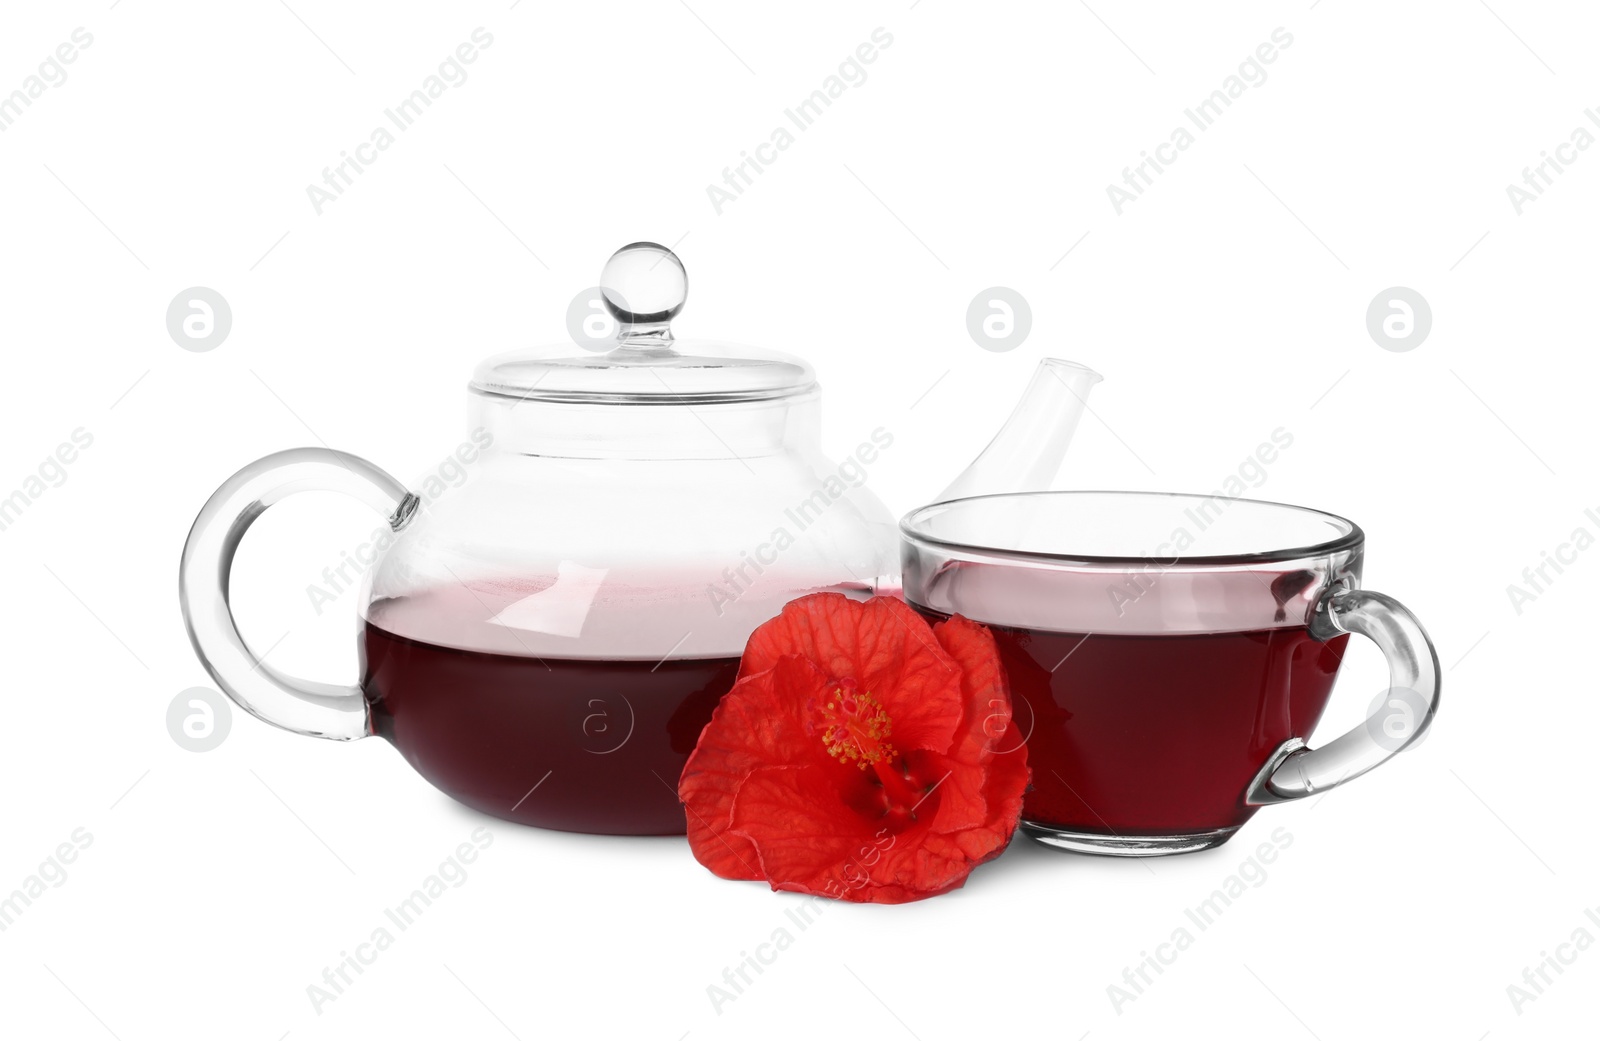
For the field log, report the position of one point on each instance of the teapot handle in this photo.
(330, 710)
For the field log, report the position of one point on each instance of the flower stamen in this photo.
(855, 726)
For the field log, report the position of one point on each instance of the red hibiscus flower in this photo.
(861, 755)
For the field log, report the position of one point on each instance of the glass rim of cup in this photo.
(1350, 537)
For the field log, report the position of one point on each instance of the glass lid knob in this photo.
(644, 287)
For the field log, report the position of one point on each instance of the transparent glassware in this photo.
(1169, 655)
(1028, 453)
(545, 640)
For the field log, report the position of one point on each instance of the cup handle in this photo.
(1295, 771)
(328, 710)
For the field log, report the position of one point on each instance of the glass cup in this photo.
(1169, 655)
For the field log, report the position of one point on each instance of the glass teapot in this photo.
(545, 642)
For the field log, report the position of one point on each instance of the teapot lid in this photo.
(643, 287)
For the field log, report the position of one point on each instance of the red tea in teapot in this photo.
(575, 744)
(547, 744)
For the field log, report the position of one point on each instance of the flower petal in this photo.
(757, 723)
(765, 800)
(885, 646)
(987, 736)
(985, 695)
(844, 856)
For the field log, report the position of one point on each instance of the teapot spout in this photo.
(1026, 455)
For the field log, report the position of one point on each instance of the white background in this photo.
(1227, 301)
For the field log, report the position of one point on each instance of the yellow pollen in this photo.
(855, 728)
